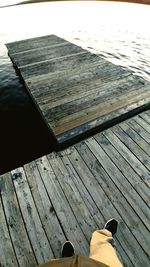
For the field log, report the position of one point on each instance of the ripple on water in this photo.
(122, 41)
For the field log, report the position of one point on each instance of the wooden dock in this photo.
(76, 91)
(69, 194)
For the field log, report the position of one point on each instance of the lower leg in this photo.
(102, 245)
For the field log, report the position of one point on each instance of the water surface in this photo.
(117, 31)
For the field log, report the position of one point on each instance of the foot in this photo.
(67, 250)
(111, 226)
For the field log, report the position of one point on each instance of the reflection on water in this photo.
(117, 31)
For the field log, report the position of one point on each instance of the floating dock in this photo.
(77, 92)
(69, 194)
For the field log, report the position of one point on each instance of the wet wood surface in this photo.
(76, 91)
(67, 195)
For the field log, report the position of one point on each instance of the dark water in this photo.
(119, 32)
(23, 134)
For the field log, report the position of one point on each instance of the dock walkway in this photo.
(67, 195)
(77, 92)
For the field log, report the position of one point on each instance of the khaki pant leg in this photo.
(102, 248)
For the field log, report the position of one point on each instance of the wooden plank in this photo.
(45, 209)
(72, 82)
(143, 124)
(145, 116)
(33, 224)
(74, 177)
(80, 210)
(33, 43)
(98, 190)
(140, 130)
(76, 91)
(62, 207)
(58, 64)
(16, 227)
(100, 123)
(27, 58)
(136, 137)
(92, 206)
(135, 180)
(136, 150)
(130, 200)
(7, 254)
(66, 78)
(133, 161)
(76, 119)
(117, 199)
(79, 104)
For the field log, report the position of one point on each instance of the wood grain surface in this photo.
(75, 90)
(67, 195)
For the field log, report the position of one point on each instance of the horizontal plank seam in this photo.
(37, 48)
(47, 60)
(125, 109)
(109, 98)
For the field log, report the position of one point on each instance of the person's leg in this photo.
(102, 245)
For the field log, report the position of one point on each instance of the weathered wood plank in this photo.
(33, 224)
(94, 209)
(45, 208)
(137, 188)
(133, 161)
(16, 226)
(143, 124)
(61, 205)
(27, 58)
(75, 191)
(7, 254)
(130, 199)
(140, 130)
(136, 137)
(91, 114)
(135, 180)
(136, 150)
(145, 116)
(122, 89)
(33, 43)
(66, 79)
(58, 64)
(76, 91)
(72, 82)
(98, 190)
(80, 210)
(100, 123)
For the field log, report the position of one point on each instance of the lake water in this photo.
(117, 31)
